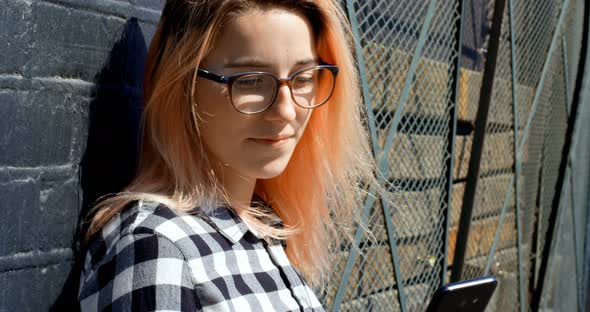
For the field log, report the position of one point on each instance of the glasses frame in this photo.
(230, 79)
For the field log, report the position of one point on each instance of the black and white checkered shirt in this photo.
(151, 258)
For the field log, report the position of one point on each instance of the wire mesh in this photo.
(530, 62)
(389, 34)
(496, 190)
(416, 160)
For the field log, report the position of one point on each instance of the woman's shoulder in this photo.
(140, 220)
(132, 259)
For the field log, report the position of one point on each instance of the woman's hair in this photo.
(319, 194)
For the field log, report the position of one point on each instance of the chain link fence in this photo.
(422, 115)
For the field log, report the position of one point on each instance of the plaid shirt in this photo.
(151, 258)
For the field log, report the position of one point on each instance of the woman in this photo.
(252, 155)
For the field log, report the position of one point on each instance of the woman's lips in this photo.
(272, 142)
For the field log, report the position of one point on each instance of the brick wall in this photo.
(52, 52)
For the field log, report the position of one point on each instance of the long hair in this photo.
(319, 194)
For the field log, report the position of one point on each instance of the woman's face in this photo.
(276, 41)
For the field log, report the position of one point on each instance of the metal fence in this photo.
(470, 105)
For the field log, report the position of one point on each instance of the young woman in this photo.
(252, 162)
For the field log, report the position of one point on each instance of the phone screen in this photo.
(472, 295)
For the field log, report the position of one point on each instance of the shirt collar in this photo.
(228, 223)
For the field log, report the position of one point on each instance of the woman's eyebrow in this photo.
(249, 62)
(307, 61)
(255, 62)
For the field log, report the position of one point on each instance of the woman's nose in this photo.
(283, 108)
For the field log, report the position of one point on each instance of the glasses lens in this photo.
(313, 87)
(253, 93)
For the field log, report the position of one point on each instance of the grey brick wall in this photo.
(51, 52)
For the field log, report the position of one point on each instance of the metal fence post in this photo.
(453, 107)
(517, 171)
(517, 161)
(478, 140)
(370, 201)
(569, 167)
(382, 161)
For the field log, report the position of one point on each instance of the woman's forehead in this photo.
(274, 37)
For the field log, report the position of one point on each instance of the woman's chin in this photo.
(271, 169)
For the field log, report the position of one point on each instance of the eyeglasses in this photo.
(254, 92)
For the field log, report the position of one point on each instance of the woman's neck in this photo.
(238, 188)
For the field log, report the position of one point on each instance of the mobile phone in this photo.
(471, 295)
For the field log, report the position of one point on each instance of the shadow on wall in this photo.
(112, 148)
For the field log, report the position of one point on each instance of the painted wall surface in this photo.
(69, 81)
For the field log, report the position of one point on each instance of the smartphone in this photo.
(472, 295)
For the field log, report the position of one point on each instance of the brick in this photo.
(337, 275)
(376, 271)
(357, 304)
(37, 258)
(501, 106)
(152, 4)
(432, 88)
(414, 213)
(59, 207)
(490, 196)
(53, 173)
(481, 236)
(148, 30)
(385, 301)
(414, 156)
(497, 154)
(417, 297)
(506, 292)
(418, 256)
(429, 94)
(70, 42)
(37, 218)
(386, 85)
(32, 289)
(15, 35)
(41, 128)
(469, 86)
(19, 225)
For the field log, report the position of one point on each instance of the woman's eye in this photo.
(305, 79)
(249, 83)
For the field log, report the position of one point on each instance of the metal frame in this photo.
(382, 160)
(453, 108)
(517, 171)
(517, 162)
(478, 141)
(396, 118)
(520, 150)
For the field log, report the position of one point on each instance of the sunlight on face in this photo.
(276, 41)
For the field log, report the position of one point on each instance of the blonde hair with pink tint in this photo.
(319, 194)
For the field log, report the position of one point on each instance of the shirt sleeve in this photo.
(144, 272)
